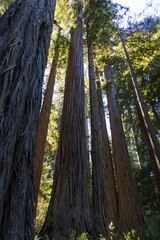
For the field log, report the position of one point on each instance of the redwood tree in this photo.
(25, 36)
(43, 123)
(69, 206)
(107, 158)
(99, 196)
(130, 212)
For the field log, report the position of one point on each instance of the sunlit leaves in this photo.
(65, 13)
(4, 4)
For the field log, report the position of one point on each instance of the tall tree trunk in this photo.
(130, 212)
(69, 206)
(136, 148)
(107, 158)
(155, 147)
(145, 134)
(99, 197)
(133, 130)
(25, 36)
(87, 143)
(43, 124)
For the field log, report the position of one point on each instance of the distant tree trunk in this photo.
(87, 146)
(130, 212)
(134, 136)
(25, 36)
(99, 197)
(109, 173)
(155, 147)
(69, 206)
(136, 148)
(43, 124)
(156, 116)
(146, 138)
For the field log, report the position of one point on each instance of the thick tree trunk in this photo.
(25, 36)
(69, 206)
(99, 197)
(107, 158)
(43, 124)
(154, 145)
(130, 212)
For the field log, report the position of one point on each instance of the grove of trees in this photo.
(79, 122)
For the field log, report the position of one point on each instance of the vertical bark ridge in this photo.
(25, 35)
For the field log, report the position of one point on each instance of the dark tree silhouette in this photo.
(25, 36)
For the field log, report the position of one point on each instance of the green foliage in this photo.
(4, 4)
(153, 228)
(147, 188)
(63, 47)
(44, 195)
(54, 126)
(100, 15)
(151, 232)
(142, 42)
(126, 236)
(114, 236)
(131, 235)
(142, 45)
(38, 238)
(65, 14)
(83, 236)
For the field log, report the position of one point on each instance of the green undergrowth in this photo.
(151, 231)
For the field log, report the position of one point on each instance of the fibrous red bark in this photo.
(25, 36)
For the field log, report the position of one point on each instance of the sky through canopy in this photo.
(139, 9)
